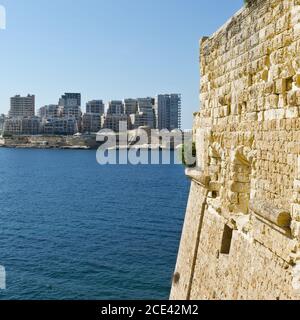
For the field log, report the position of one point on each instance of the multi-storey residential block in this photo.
(59, 126)
(49, 111)
(22, 106)
(112, 121)
(91, 122)
(13, 126)
(95, 106)
(22, 126)
(137, 120)
(31, 125)
(70, 100)
(70, 107)
(168, 111)
(130, 106)
(115, 107)
(146, 112)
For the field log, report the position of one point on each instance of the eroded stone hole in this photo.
(176, 277)
(226, 240)
(215, 194)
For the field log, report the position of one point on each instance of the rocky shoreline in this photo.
(50, 142)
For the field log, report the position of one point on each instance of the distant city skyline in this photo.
(154, 51)
(67, 117)
(85, 105)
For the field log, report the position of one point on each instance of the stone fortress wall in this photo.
(241, 236)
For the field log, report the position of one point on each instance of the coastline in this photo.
(87, 142)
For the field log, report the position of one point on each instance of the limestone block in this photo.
(296, 211)
(297, 185)
(198, 176)
(297, 80)
(260, 116)
(296, 279)
(239, 187)
(280, 86)
(240, 177)
(242, 222)
(232, 197)
(214, 186)
(292, 98)
(274, 114)
(295, 228)
(292, 112)
(297, 30)
(252, 116)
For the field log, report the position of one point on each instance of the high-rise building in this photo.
(115, 107)
(168, 111)
(70, 107)
(175, 111)
(22, 106)
(138, 120)
(130, 106)
(70, 100)
(91, 120)
(49, 111)
(146, 112)
(95, 106)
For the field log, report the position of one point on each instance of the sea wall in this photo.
(241, 234)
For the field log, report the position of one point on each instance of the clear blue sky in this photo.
(106, 49)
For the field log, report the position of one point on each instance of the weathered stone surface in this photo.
(189, 243)
(248, 142)
(279, 217)
(198, 176)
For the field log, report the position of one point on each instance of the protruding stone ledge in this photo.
(279, 217)
(198, 176)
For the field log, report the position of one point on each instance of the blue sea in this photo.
(72, 229)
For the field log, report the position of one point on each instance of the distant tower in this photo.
(168, 111)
